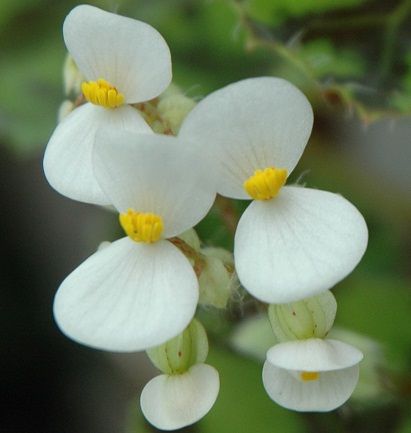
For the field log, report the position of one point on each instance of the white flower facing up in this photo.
(188, 388)
(291, 242)
(126, 61)
(140, 290)
(311, 375)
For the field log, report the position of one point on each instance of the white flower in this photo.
(126, 61)
(188, 388)
(311, 375)
(291, 242)
(170, 402)
(140, 290)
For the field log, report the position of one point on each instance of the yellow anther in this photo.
(142, 227)
(265, 184)
(308, 376)
(101, 92)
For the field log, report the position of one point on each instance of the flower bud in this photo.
(72, 77)
(173, 108)
(66, 107)
(191, 238)
(177, 355)
(216, 278)
(310, 318)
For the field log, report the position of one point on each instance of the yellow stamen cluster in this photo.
(265, 184)
(101, 92)
(142, 227)
(308, 376)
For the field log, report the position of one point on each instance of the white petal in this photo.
(154, 173)
(128, 296)
(173, 402)
(67, 160)
(297, 245)
(249, 125)
(314, 354)
(331, 390)
(129, 54)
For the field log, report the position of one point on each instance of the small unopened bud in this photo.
(191, 238)
(216, 278)
(310, 318)
(72, 77)
(66, 107)
(177, 355)
(173, 109)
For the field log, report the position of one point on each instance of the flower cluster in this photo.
(159, 163)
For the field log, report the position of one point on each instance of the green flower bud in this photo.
(310, 318)
(173, 109)
(191, 238)
(216, 278)
(177, 355)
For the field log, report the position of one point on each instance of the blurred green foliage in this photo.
(349, 57)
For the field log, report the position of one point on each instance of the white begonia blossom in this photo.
(188, 388)
(126, 61)
(171, 402)
(312, 375)
(141, 290)
(291, 242)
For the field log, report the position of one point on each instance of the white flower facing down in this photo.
(171, 402)
(139, 291)
(311, 375)
(188, 389)
(291, 242)
(126, 61)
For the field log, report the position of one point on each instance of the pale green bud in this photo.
(191, 238)
(173, 109)
(66, 107)
(310, 318)
(177, 355)
(216, 278)
(72, 77)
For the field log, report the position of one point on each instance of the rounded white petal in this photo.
(313, 354)
(298, 244)
(329, 391)
(129, 54)
(128, 296)
(154, 173)
(249, 125)
(173, 402)
(67, 160)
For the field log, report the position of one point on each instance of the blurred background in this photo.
(352, 58)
